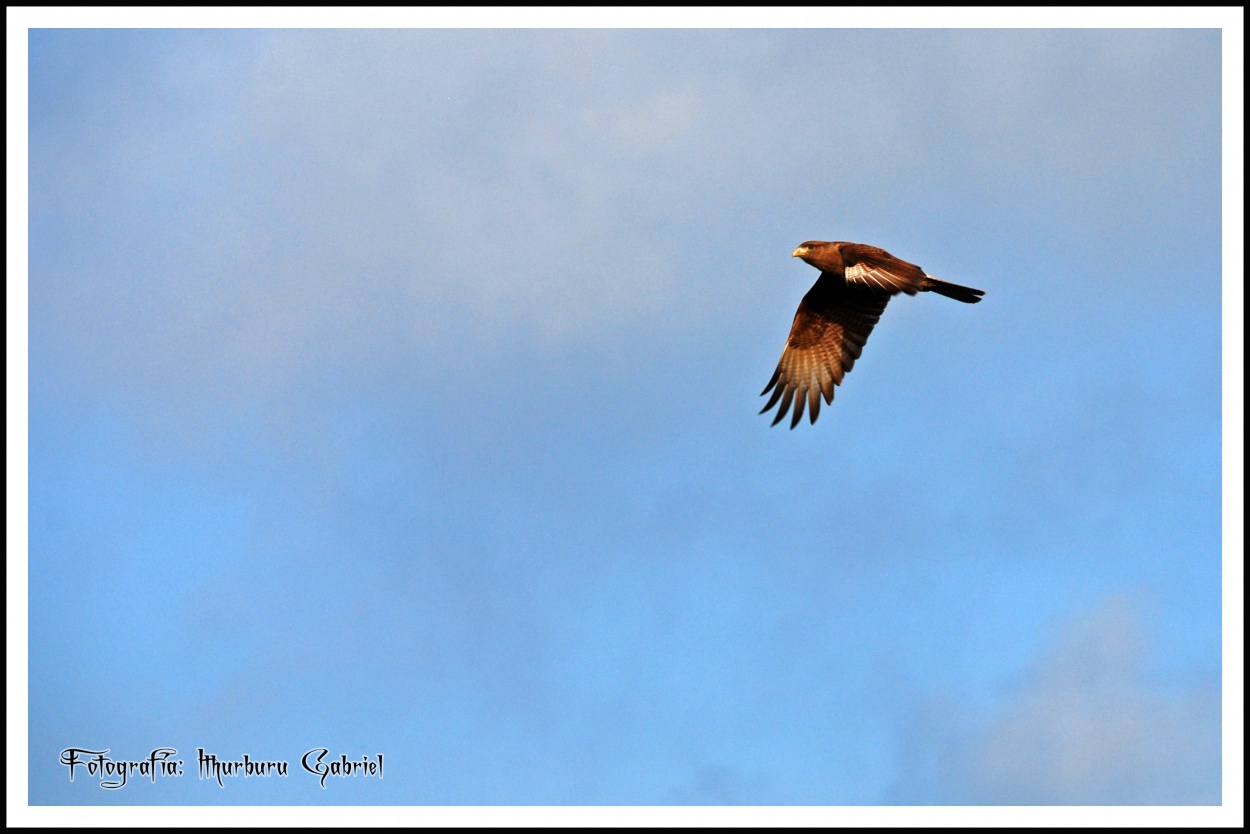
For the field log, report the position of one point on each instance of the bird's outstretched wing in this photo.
(830, 329)
(877, 268)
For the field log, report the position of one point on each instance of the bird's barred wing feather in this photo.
(829, 332)
(870, 266)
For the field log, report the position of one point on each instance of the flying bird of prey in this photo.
(836, 316)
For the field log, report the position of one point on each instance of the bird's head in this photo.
(809, 250)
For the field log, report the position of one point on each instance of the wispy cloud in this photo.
(1088, 726)
(348, 195)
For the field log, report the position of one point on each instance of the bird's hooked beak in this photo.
(800, 252)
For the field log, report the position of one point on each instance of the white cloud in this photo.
(322, 199)
(1087, 727)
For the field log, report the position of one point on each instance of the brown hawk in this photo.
(836, 316)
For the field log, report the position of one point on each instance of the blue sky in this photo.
(395, 392)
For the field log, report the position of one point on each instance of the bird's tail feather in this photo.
(965, 294)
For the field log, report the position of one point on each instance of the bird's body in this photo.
(837, 314)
